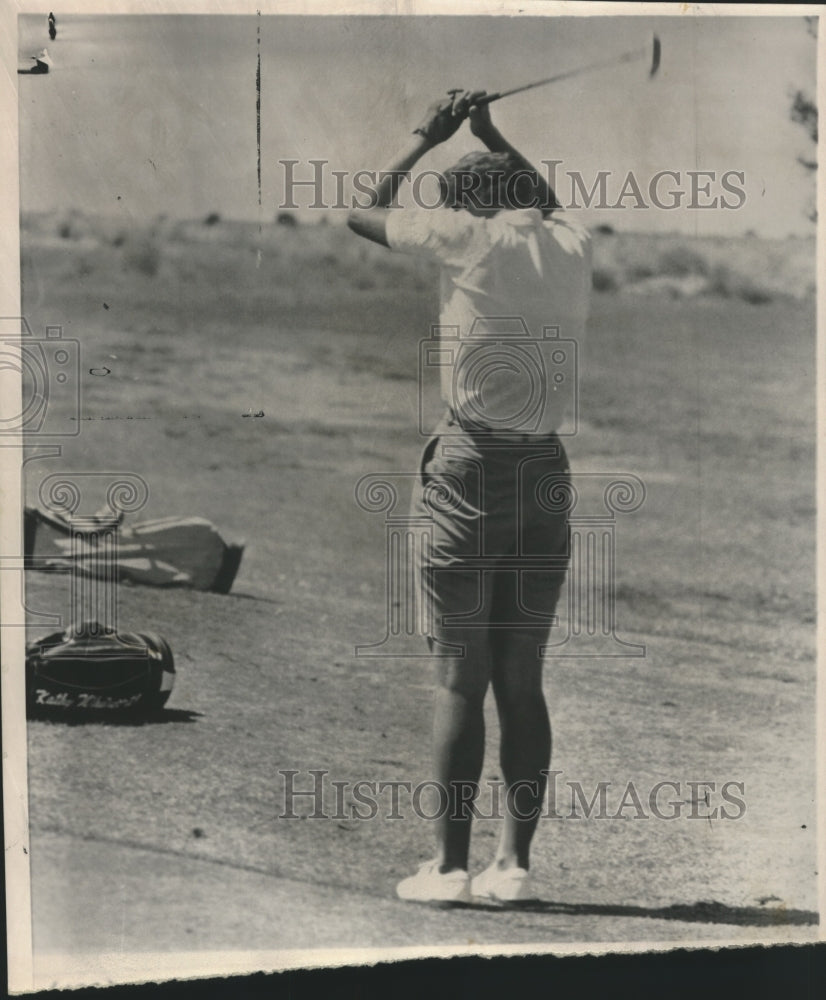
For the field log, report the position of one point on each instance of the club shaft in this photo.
(614, 61)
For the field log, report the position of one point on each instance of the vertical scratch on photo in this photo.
(258, 132)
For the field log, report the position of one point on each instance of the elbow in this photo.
(358, 219)
(369, 223)
(358, 214)
(361, 221)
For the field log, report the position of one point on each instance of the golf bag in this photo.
(170, 552)
(87, 669)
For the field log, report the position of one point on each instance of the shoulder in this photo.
(571, 236)
(557, 230)
(439, 231)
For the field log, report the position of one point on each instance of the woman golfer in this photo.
(514, 280)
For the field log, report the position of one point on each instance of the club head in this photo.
(655, 56)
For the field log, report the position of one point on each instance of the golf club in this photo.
(650, 51)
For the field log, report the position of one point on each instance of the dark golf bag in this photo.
(89, 670)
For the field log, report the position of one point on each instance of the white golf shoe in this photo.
(429, 885)
(503, 885)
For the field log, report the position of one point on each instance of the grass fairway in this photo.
(708, 400)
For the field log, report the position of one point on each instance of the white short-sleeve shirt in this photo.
(515, 291)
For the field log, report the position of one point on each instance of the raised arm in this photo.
(481, 125)
(443, 118)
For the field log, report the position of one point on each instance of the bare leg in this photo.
(525, 739)
(459, 744)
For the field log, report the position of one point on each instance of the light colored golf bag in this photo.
(170, 552)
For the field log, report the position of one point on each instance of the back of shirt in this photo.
(515, 291)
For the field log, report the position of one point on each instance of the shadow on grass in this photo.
(101, 718)
(252, 597)
(705, 912)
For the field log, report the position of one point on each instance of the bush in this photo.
(604, 280)
(755, 296)
(142, 254)
(72, 226)
(681, 261)
(723, 281)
